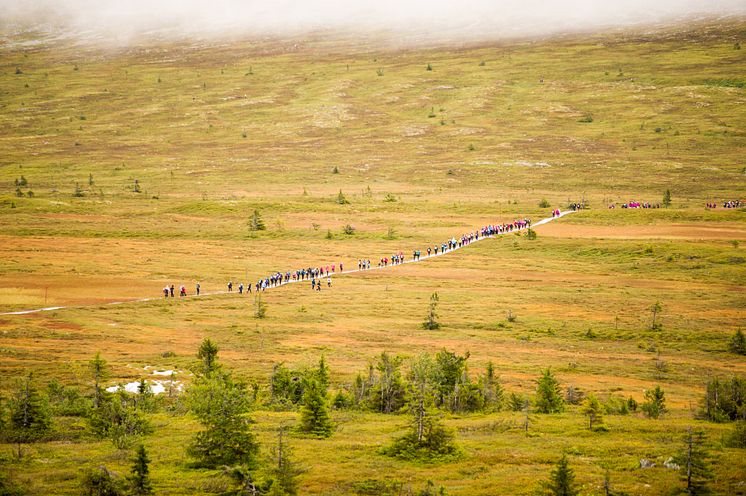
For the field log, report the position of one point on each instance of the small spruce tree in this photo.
(562, 480)
(593, 409)
(140, 478)
(341, 199)
(29, 416)
(667, 198)
(694, 463)
(738, 343)
(260, 308)
(548, 394)
(315, 418)
(256, 223)
(208, 353)
(431, 322)
(100, 373)
(655, 309)
(322, 373)
(285, 473)
(655, 402)
(102, 482)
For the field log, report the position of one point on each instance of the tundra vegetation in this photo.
(604, 352)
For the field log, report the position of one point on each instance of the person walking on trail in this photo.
(197, 288)
(240, 288)
(328, 282)
(182, 291)
(248, 288)
(230, 286)
(165, 291)
(341, 267)
(172, 290)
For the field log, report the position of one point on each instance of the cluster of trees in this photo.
(223, 404)
(427, 388)
(725, 401)
(692, 460)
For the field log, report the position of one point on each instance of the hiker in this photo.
(341, 267)
(197, 288)
(328, 282)
(165, 291)
(182, 291)
(240, 288)
(230, 286)
(172, 290)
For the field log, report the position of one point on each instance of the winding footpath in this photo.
(353, 271)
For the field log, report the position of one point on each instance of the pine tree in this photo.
(315, 418)
(208, 353)
(738, 343)
(491, 389)
(655, 402)
(256, 223)
(322, 374)
(655, 309)
(428, 438)
(90, 179)
(222, 406)
(260, 308)
(100, 373)
(667, 198)
(694, 463)
(548, 394)
(594, 411)
(140, 478)
(562, 480)
(286, 472)
(341, 199)
(30, 418)
(101, 482)
(388, 394)
(431, 322)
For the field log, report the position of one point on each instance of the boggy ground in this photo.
(213, 131)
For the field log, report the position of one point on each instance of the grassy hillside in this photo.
(143, 165)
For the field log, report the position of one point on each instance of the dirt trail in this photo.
(346, 272)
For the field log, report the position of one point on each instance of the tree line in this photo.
(421, 389)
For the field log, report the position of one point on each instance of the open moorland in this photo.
(123, 170)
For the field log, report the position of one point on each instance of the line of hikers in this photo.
(728, 204)
(170, 290)
(316, 274)
(636, 204)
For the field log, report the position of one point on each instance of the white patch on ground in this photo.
(524, 163)
(157, 387)
(164, 372)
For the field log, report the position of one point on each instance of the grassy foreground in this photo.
(210, 132)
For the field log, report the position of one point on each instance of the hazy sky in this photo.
(493, 18)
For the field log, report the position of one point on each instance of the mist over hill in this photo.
(429, 20)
